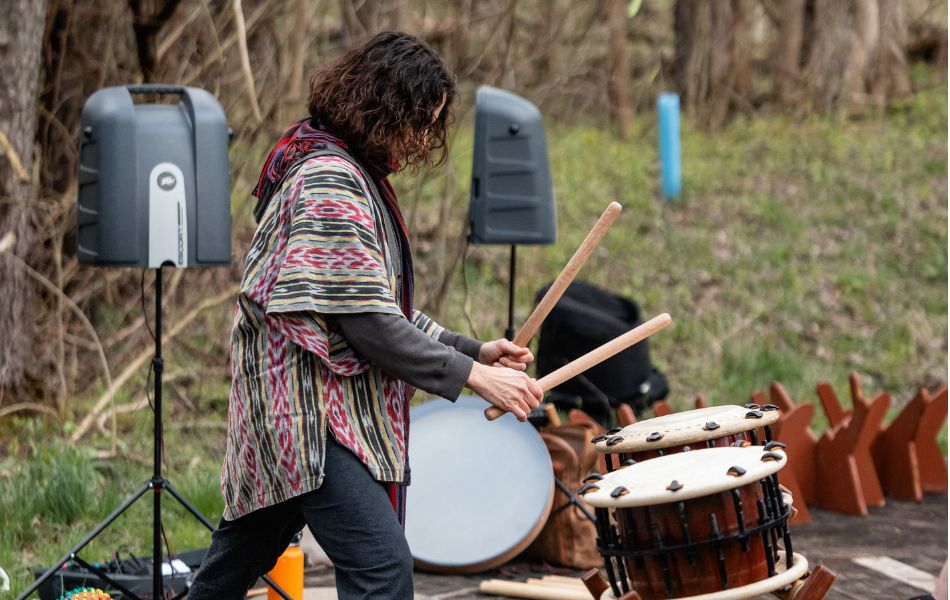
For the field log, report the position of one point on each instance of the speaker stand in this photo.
(512, 263)
(157, 484)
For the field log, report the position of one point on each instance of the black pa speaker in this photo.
(154, 182)
(512, 197)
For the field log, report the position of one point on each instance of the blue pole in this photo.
(668, 117)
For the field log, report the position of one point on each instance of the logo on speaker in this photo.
(166, 181)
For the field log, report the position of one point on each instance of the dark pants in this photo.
(351, 518)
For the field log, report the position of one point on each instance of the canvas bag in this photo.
(569, 538)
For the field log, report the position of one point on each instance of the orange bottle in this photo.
(288, 574)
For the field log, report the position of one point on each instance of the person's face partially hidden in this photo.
(435, 117)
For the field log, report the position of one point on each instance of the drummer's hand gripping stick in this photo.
(595, 357)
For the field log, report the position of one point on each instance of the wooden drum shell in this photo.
(693, 523)
(693, 571)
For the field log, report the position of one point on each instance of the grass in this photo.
(55, 496)
(799, 251)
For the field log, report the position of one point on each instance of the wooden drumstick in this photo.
(567, 274)
(594, 357)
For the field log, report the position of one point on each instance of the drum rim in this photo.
(635, 436)
(495, 561)
(786, 577)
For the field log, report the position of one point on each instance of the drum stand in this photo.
(813, 586)
(571, 501)
(157, 484)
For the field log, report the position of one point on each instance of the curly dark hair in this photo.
(379, 97)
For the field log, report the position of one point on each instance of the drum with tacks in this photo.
(716, 426)
(707, 524)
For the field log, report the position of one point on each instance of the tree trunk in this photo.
(507, 76)
(545, 30)
(858, 56)
(889, 77)
(863, 43)
(460, 34)
(618, 59)
(367, 12)
(299, 41)
(927, 42)
(712, 61)
(21, 40)
(788, 76)
(826, 72)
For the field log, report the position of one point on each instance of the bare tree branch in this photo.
(246, 59)
(15, 163)
(142, 358)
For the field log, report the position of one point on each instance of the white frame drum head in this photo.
(481, 491)
(687, 427)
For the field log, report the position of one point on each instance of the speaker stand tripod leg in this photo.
(157, 483)
(85, 541)
(105, 577)
(188, 506)
(512, 264)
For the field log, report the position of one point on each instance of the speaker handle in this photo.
(155, 88)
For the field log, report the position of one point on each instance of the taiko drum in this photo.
(713, 427)
(694, 523)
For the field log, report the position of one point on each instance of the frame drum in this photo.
(716, 426)
(481, 491)
(709, 523)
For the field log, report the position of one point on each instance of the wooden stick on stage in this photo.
(594, 357)
(518, 589)
(567, 274)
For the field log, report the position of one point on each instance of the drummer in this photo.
(326, 347)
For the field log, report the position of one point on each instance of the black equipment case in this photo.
(584, 318)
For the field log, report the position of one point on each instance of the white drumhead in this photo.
(684, 476)
(480, 491)
(687, 427)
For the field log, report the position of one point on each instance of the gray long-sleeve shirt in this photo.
(398, 347)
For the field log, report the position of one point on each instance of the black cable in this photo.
(171, 556)
(465, 313)
(148, 385)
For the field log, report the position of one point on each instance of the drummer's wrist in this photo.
(476, 377)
